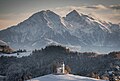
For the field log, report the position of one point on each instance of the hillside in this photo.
(67, 77)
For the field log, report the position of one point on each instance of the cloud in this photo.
(116, 7)
(102, 7)
(96, 7)
(116, 17)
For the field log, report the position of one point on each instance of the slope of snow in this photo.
(67, 77)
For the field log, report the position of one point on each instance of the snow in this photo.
(66, 77)
(16, 55)
(52, 42)
(63, 22)
(100, 22)
(46, 17)
(34, 44)
(2, 76)
(3, 43)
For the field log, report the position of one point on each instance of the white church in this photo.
(61, 68)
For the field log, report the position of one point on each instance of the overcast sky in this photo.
(14, 11)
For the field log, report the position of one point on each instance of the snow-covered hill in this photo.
(76, 30)
(67, 77)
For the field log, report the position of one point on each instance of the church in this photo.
(61, 68)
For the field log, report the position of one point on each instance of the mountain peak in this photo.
(43, 13)
(73, 13)
(49, 12)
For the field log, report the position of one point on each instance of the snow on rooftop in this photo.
(67, 77)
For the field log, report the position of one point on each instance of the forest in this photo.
(41, 62)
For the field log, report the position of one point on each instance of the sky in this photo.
(13, 12)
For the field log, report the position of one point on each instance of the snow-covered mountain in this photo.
(67, 77)
(76, 30)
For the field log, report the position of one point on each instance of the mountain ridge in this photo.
(46, 27)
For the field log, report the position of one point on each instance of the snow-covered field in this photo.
(66, 77)
(17, 55)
